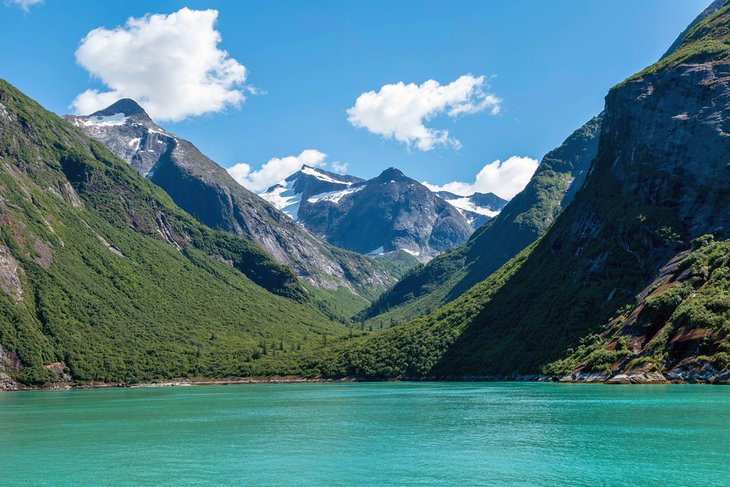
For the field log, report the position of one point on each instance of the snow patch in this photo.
(284, 199)
(334, 196)
(464, 204)
(105, 121)
(379, 251)
(134, 143)
(310, 171)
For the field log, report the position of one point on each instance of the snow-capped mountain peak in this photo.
(310, 184)
(129, 132)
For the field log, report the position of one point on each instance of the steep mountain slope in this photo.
(387, 213)
(677, 329)
(711, 9)
(103, 277)
(521, 221)
(527, 216)
(209, 193)
(657, 188)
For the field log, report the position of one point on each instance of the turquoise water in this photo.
(368, 434)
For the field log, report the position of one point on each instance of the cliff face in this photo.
(209, 193)
(659, 180)
(523, 220)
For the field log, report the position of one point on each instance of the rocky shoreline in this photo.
(706, 375)
(7, 384)
(714, 377)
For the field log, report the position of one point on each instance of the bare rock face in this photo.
(8, 363)
(675, 127)
(210, 194)
(10, 275)
(658, 183)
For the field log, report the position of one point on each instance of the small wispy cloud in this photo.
(24, 5)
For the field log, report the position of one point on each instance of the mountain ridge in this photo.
(209, 193)
(323, 202)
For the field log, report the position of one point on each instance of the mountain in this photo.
(477, 208)
(210, 194)
(521, 221)
(306, 183)
(387, 213)
(630, 283)
(104, 278)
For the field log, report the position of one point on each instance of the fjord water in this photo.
(368, 434)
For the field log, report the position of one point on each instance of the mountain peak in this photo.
(127, 106)
(392, 173)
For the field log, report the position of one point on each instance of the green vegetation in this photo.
(410, 350)
(709, 40)
(117, 282)
(697, 305)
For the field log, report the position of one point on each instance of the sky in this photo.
(464, 95)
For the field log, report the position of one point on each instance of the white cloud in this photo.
(339, 167)
(504, 179)
(25, 5)
(275, 170)
(398, 111)
(170, 64)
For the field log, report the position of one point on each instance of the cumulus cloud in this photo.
(275, 170)
(505, 179)
(399, 111)
(170, 64)
(25, 5)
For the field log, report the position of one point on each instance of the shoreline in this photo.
(582, 378)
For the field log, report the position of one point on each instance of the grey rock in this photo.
(10, 275)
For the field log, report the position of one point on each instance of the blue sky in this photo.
(549, 63)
